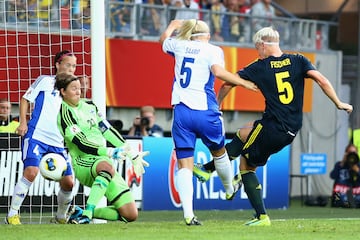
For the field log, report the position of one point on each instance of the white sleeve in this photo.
(42, 83)
(168, 45)
(217, 57)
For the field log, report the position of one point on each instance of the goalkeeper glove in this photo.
(137, 159)
(117, 153)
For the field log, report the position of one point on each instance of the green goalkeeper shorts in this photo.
(118, 192)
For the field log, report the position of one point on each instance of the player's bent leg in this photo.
(64, 199)
(185, 189)
(20, 191)
(224, 170)
(30, 173)
(67, 183)
(234, 147)
(262, 220)
(209, 166)
(128, 212)
(184, 179)
(120, 196)
(237, 183)
(109, 213)
(97, 191)
(200, 173)
(253, 190)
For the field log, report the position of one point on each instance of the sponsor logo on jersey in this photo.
(75, 129)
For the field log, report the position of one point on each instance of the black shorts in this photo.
(266, 138)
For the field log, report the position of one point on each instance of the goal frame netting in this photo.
(30, 39)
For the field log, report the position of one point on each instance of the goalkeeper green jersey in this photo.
(85, 130)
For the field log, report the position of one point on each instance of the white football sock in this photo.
(184, 183)
(64, 199)
(20, 191)
(225, 172)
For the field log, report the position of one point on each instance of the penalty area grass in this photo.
(297, 222)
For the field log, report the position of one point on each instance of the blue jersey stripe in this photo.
(39, 103)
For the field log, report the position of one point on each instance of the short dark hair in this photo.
(63, 80)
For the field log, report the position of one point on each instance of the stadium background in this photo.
(317, 135)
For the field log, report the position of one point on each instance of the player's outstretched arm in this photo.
(223, 92)
(232, 78)
(328, 89)
(174, 24)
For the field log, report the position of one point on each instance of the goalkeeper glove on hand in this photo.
(137, 159)
(117, 153)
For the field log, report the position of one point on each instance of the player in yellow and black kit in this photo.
(280, 77)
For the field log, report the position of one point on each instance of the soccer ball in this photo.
(52, 166)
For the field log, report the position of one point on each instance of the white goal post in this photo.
(31, 33)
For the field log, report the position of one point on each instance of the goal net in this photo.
(31, 33)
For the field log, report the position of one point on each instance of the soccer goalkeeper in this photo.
(86, 132)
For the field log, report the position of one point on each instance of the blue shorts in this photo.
(33, 150)
(190, 124)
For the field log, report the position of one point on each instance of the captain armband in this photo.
(104, 125)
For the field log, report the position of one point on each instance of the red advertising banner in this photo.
(137, 72)
(24, 56)
(140, 73)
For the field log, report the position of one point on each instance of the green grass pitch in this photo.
(297, 222)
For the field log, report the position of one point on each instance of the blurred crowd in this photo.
(69, 13)
(228, 18)
(222, 15)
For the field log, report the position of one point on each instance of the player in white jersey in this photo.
(41, 135)
(196, 111)
(47, 105)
